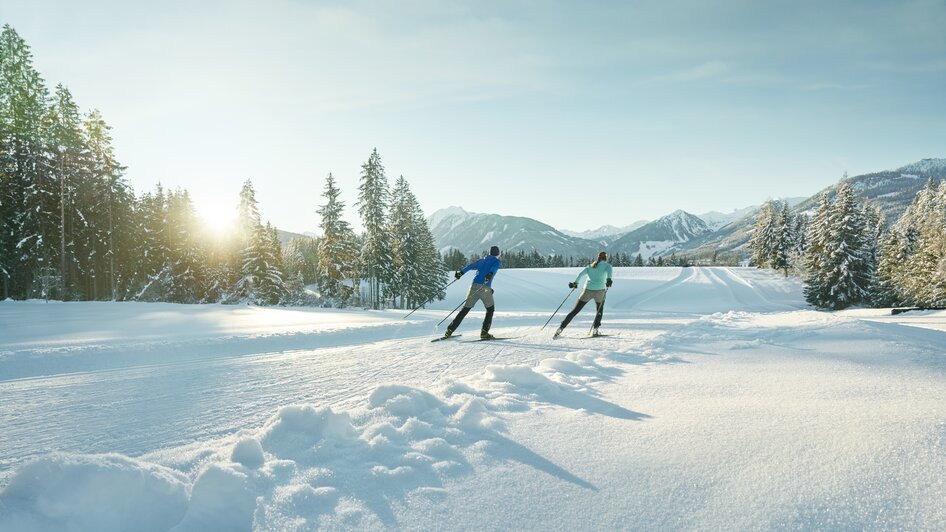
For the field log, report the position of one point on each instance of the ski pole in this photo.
(559, 308)
(429, 300)
(451, 312)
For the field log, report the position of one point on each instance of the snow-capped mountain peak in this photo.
(440, 215)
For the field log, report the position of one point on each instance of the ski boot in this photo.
(558, 333)
(486, 336)
(448, 333)
(594, 332)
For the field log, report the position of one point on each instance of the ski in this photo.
(493, 339)
(581, 337)
(446, 338)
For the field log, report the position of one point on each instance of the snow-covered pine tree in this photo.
(301, 257)
(295, 290)
(29, 222)
(765, 237)
(261, 278)
(153, 276)
(187, 279)
(114, 202)
(816, 291)
(924, 282)
(799, 242)
(338, 252)
(273, 287)
(639, 260)
(404, 250)
(376, 246)
(875, 226)
(69, 160)
(848, 270)
(260, 281)
(419, 272)
(247, 227)
(893, 254)
(784, 239)
(431, 272)
(68, 157)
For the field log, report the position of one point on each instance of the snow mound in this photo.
(301, 428)
(249, 453)
(222, 499)
(518, 376)
(403, 401)
(93, 492)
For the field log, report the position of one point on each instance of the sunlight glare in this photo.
(217, 217)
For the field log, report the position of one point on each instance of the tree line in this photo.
(72, 228)
(847, 255)
(454, 259)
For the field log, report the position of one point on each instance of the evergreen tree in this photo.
(152, 247)
(922, 280)
(431, 279)
(376, 247)
(816, 292)
(273, 282)
(301, 258)
(894, 253)
(845, 273)
(454, 259)
(185, 262)
(639, 260)
(28, 219)
(261, 279)
(69, 158)
(247, 256)
(418, 273)
(784, 240)
(765, 237)
(338, 253)
(113, 201)
(404, 243)
(874, 228)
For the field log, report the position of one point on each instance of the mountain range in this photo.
(678, 232)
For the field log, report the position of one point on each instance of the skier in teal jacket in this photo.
(599, 280)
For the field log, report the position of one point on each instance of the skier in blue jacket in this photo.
(599, 280)
(480, 290)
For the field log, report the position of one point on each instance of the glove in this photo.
(573, 285)
(488, 277)
(458, 274)
(608, 283)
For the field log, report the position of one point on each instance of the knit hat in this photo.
(494, 251)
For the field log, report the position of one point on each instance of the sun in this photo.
(218, 218)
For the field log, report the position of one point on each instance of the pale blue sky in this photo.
(575, 113)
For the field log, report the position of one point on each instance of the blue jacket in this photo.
(486, 265)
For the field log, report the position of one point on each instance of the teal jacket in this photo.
(596, 276)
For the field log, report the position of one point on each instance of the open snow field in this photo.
(718, 402)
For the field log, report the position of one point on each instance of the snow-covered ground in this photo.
(718, 402)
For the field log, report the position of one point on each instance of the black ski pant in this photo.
(580, 305)
(487, 321)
